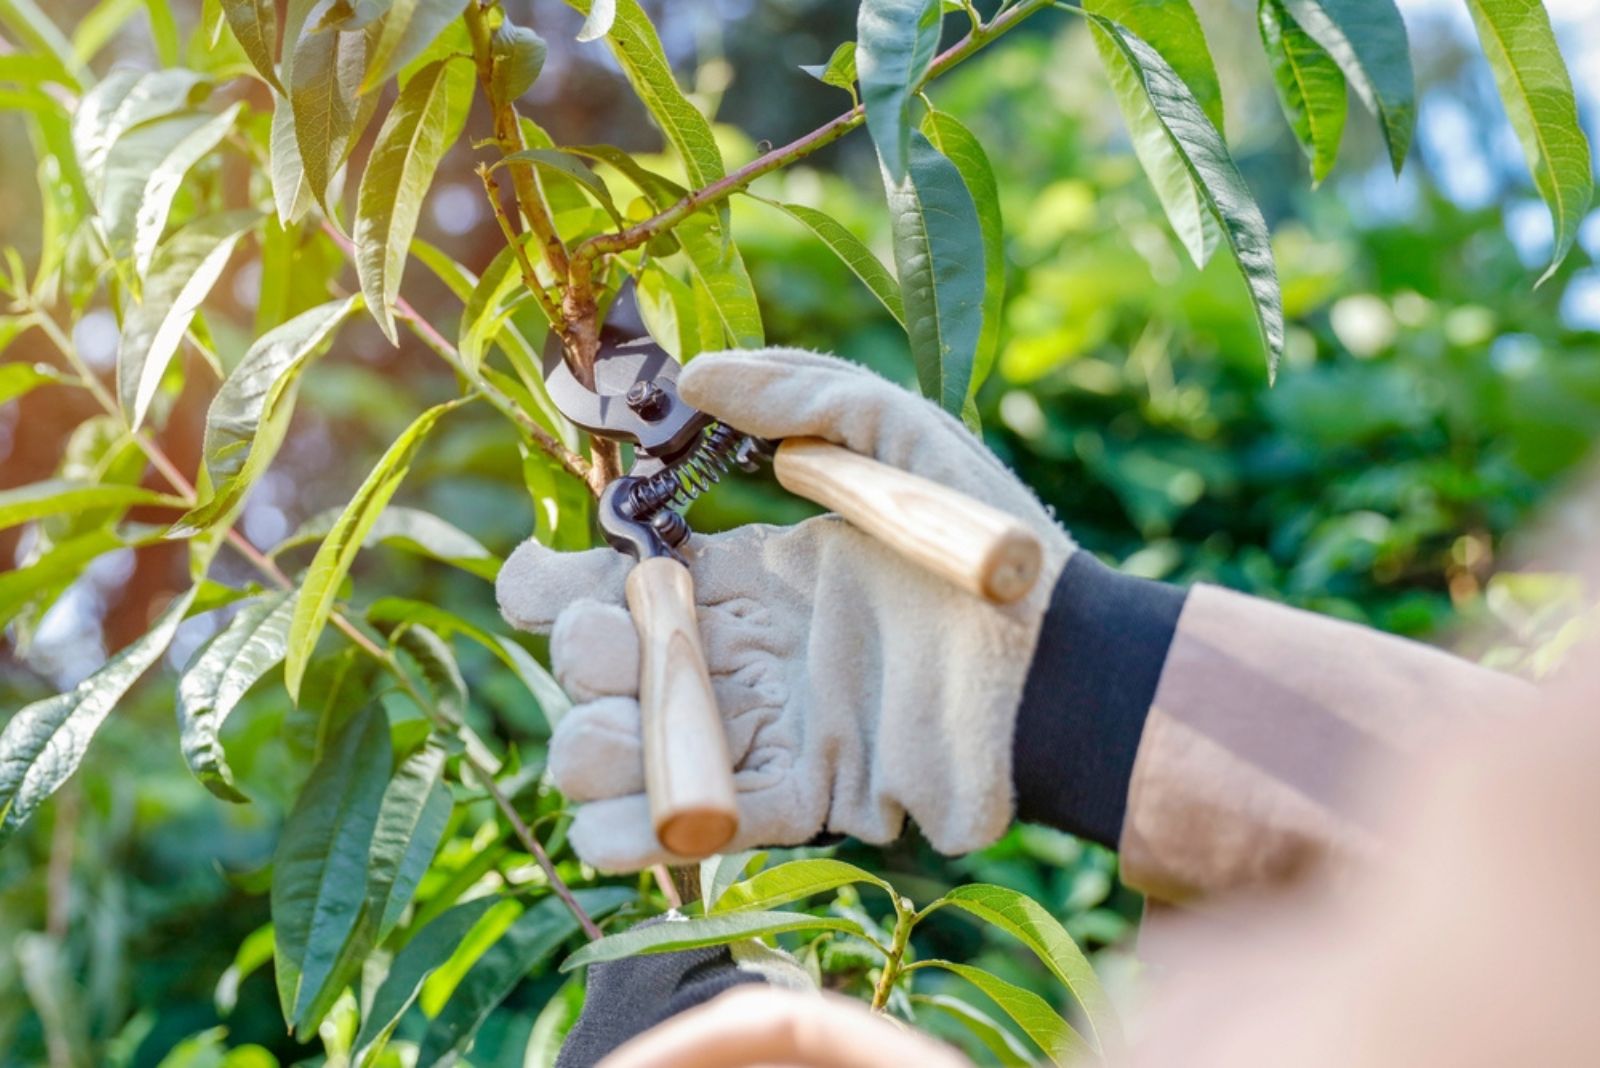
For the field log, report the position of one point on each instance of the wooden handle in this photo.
(687, 771)
(979, 548)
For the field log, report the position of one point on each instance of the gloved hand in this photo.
(855, 687)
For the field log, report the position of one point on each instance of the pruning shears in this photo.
(679, 453)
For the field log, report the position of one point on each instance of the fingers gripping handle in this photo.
(979, 548)
(687, 770)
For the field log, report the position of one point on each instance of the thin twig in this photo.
(530, 274)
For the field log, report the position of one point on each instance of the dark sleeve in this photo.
(1100, 653)
(628, 997)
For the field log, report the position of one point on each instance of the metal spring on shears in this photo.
(655, 498)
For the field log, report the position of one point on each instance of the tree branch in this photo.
(803, 146)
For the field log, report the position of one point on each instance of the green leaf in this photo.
(1537, 92)
(895, 45)
(212, 686)
(1367, 38)
(1032, 1013)
(144, 171)
(703, 931)
(60, 496)
(426, 951)
(319, 872)
(602, 15)
(791, 882)
(182, 273)
(332, 562)
(255, 26)
(405, 33)
(410, 529)
(250, 413)
(399, 171)
(20, 379)
(411, 824)
(487, 311)
(431, 663)
(526, 945)
(163, 31)
(1310, 86)
(291, 193)
(253, 953)
(323, 79)
(1029, 922)
(24, 19)
(853, 251)
(47, 576)
(957, 144)
(43, 743)
(519, 55)
(97, 26)
(124, 100)
(638, 50)
(939, 256)
(569, 166)
(839, 71)
(1001, 1044)
(1214, 174)
(1173, 29)
(720, 871)
(717, 267)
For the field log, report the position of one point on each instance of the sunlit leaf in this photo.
(97, 26)
(43, 743)
(703, 931)
(291, 194)
(255, 25)
(20, 379)
(720, 871)
(1213, 172)
(59, 496)
(31, 26)
(182, 273)
(957, 144)
(1173, 29)
(405, 33)
(323, 79)
(1001, 1044)
(1032, 924)
(212, 686)
(1537, 92)
(332, 562)
(939, 256)
(567, 165)
(793, 881)
(839, 71)
(399, 171)
(411, 824)
(895, 45)
(1309, 83)
(487, 311)
(529, 942)
(853, 252)
(519, 55)
(434, 668)
(1367, 38)
(1032, 1013)
(412, 530)
(602, 13)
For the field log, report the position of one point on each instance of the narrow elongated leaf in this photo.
(411, 824)
(721, 871)
(411, 529)
(20, 379)
(1041, 1023)
(319, 872)
(250, 413)
(406, 31)
(47, 576)
(143, 172)
(223, 672)
(34, 28)
(432, 664)
(791, 882)
(957, 144)
(719, 270)
(409, 147)
(568, 166)
(602, 13)
(323, 79)
(126, 99)
(1216, 177)
(423, 954)
(529, 942)
(332, 562)
(1159, 156)
(638, 50)
(291, 194)
(182, 273)
(938, 254)
(854, 252)
(60, 496)
(1001, 1044)
(519, 55)
(255, 26)
(1029, 922)
(1309, 83)
(1367, 38)
(1172, 28)
(839, 71)
(895, 45)
(43, 743)
(99, 25)
(487, 311)
(703, 931)
(1537, 92)
(163, 31)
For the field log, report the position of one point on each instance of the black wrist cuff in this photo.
(1101, 649)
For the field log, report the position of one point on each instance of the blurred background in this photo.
(1431, 401)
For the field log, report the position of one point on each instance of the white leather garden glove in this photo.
(855, 688)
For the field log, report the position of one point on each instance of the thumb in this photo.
(538, 583)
